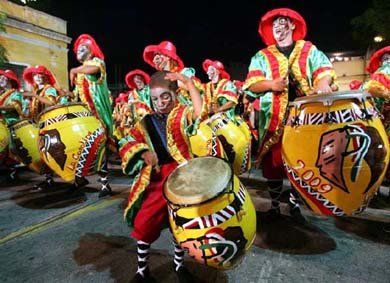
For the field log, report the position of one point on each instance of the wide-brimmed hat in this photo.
(12, 76)
(90, 41)
(265, 25)
(375, 60)
(39, 69)
(217, 65)
(166, 48)
(130, 78)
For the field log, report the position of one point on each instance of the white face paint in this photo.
(161, 62)
(163, 99)
(39, 79)
(139, 82)
(4, 81)
(83, 52)
(213, 74)
(283, 30)
(385, 59)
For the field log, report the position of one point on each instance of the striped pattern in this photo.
(64, 117)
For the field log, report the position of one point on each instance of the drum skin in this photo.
(24, 144)
(72, 140)
(236, 142)
(4, 140)
(336, 151)
(216, 231)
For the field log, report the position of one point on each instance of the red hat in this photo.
(122, 97)
(39, 69)
(217, 65)
(165, 48)
(12, 76)
(355, 84)
(265, 25)
(88, 40)
(130, 76)
(375, 59)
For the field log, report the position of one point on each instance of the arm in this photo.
(83, 69)
(41, 99)
(277, 85)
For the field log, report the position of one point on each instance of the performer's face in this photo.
(3, 81)
(163, 99)
(161, 62)
(213, 74)
(139, 81)
(39, 79)
(83, 52)
(282, 29)
(385, 59)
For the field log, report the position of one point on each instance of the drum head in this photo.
(197, 181)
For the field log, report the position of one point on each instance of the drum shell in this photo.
(191, 237)
(72, 140)
(205, 142)
(24, 144)
(305, 149)
(238, 142)
(4, 140)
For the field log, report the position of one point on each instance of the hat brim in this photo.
(375, 59)
(150, 50)
(130, 76)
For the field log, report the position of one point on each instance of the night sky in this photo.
(200, 29)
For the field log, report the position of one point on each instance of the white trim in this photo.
(33, 41)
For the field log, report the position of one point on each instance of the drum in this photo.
(236, 143)
(24, 144)
(4, 140)
(210, 212)
(335, 151)
(71, 140)
(205, 142)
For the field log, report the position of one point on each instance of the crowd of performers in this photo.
(171, 116)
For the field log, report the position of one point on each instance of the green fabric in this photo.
(13, 116)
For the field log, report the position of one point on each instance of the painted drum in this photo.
(335, 151)
(71, 140)
(211, 213)
(205, 142)
(24, 144)
(4, 140)
(236, 143)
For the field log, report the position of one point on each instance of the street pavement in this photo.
(52, 236)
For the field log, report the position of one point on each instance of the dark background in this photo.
(200, 29)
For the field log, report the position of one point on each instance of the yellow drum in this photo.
(72, 140)
(210, 212)
(4, 140)
(335, 151)
(24, 144)
(236, 144)
(206, 142)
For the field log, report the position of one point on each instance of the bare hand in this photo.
(278, 84)
(72, 76)
(181, 79)
(150, 158)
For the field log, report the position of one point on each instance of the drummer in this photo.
(90, 81)
(43, 94)
(153, 149)
(12, 107)
(289, 67)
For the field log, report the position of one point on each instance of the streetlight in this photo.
(378, 38)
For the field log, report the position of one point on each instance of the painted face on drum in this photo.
(385, 59)
(283, 28)
(139, 82)
(163, 100)
(83, 52)
(161, 62)
(39, 79)
(213, 74)
(4, 81)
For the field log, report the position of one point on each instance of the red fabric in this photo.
(166, 48)
(88, 40)
(355, 84)
(217, 65)
(130, 75)
(272, 163)
(39, 69)
(265, 25)
(375, 59)
(153, 213)
(12, 76)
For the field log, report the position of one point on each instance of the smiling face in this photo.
(161, 62)
(283, 29)
(139, 82)
(4, 82)
(213, 74)
(385, 59)
(39, 79)
(83, 53)
(163, 99)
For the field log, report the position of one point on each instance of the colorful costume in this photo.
(12, 97)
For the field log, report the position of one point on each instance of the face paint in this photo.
(282, 29)
(163, 100)
(83, 52)
(161, 62)
(3, 81)
(385, 59)
(139, 82)
(39, 79)
(213, 74)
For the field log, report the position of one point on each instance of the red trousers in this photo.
(273, 168)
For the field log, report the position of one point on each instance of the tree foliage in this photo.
(3, 52)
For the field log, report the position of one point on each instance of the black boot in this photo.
(105, 190)
(45, 185)
(184, 275)
(145, 278)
